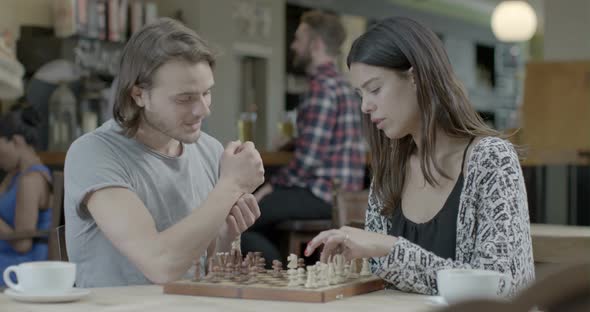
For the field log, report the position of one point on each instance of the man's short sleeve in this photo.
(91, 164)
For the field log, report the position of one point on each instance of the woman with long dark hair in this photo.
(447, 190)
(25, 190)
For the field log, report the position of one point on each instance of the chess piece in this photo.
(301, 276)
(292, 272)
(219, 259)
(258, 255)
(226, 258)
(277, 266)
(197, 270)
(301, 263)
(365, 270)
(237, 245)
(210, 272)
(339, 268)
(233, 253)
(228, 271)
(215, 274)
(353, 269)
(253, 274)
(261, 264)
(311, 283)
(292, 261)
(293, 278)
(332, 278)
(346, 274)
(322, 275)
(237, 271)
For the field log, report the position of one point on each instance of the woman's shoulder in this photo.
(35, 176)
(492, 149)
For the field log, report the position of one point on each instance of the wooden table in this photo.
(560, 243)
(557, 246)
(151, 298)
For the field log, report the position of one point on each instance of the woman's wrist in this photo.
(385, 245)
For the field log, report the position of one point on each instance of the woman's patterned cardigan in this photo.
(493, 227)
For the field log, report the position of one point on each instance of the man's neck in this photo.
(319, 61)
(158, 141)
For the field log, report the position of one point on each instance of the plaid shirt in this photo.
(329, 144)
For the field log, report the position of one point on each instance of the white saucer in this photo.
(72, 295)
(437, 301)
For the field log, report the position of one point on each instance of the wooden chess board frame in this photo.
(263, 291)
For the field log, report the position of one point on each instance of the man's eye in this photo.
(184, 99)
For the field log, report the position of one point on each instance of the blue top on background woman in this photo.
(25, 190)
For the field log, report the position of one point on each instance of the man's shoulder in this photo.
(101, 141)
(333, 84)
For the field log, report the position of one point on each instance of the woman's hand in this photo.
(352, 243)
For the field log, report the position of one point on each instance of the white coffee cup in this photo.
(463, 284)
(44, 277)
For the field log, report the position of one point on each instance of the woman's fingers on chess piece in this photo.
(331, 239)
(352, 243)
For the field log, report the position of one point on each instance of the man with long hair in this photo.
(148, 192)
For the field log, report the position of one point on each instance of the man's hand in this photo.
(241, 165)
(242, 216)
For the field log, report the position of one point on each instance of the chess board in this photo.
(267, 287)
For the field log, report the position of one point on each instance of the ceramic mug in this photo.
(41, 277)
(463, 284)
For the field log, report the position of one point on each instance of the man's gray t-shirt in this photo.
(169, 187)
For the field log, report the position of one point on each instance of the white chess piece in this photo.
(346, 274)
(332, 274)
(301, 276)
(323, 279)
(339, 268)
(292, 272)
(292, 261)
(365, 270)
(311, 283)
(293, 278)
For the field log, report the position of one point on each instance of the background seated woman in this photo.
(25, 190)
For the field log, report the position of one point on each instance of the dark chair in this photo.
(60, 231)
(348, 209)
(56, 213)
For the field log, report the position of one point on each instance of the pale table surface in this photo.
(557, 230)
(151, 298)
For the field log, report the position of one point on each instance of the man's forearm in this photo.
(182, 243)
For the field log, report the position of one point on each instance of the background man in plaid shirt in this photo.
(329, 145)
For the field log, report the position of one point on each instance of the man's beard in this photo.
(160, 126)
(301, 62)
